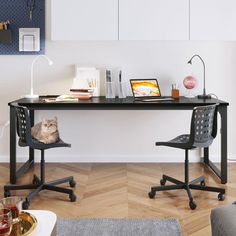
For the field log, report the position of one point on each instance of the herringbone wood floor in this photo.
(120, 191)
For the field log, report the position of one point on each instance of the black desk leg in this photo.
(31, 151)
(224, 157)
(12, 145)
(206, 155)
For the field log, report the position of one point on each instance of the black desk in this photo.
(101, 103)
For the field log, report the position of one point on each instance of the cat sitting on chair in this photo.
(46, 131)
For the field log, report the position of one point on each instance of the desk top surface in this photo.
(116, 103)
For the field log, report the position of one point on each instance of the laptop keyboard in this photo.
(156, 99)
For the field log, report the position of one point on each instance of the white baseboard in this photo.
(115, 159)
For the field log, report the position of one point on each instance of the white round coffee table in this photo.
(46, 223)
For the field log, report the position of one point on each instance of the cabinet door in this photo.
(84, 19)
(213, 19)
(154, 19)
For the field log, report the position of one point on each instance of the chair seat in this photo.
(42, 146)
(181, 141)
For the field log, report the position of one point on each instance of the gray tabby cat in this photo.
(46, 131)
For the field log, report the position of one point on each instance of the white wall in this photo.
(121, 136)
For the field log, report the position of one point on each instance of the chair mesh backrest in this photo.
(23, 124)
(204, 124)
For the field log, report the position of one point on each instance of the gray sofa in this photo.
(223, 220)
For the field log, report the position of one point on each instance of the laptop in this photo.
(147, 90)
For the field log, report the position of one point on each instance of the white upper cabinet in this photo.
(84, 20)
(154, 19)
(213, 19)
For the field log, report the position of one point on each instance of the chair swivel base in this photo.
(39, 185)
(187, 186)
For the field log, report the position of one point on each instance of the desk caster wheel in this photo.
(221, 197)
(72, 197)
(203, 183)
(192, 205)
(162, 182)
(7, 194)
(72, 183)
(25, 205)
(152, 194)
(36, 180)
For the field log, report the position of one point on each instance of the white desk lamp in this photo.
(32, 95)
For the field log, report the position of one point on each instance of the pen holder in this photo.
(96, 92)
(175, 93)
(110, 90)
(122, 89)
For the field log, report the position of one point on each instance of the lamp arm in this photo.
(204, 71)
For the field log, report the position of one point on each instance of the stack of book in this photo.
(81, 93)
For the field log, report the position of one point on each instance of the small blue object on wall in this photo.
(28, 15)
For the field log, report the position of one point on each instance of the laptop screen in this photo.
(145, 88)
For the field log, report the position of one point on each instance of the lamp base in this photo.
(31, 96)
(202, 96)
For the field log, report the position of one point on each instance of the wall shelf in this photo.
(17, 12)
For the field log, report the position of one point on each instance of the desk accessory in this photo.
(5, 36)
(5, 32)
(4, 25)
(87, 80)
(147, 90)
(175, 91)
(32, 95)
(31, 8)
(121, 86)
(29, 39)
(203, 95)
(109, 85)
(189, 83)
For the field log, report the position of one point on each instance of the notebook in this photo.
(147, 90)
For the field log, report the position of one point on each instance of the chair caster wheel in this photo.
(25, 205)
(203, 183)
(7, 194)
(72, 183)
(36, 180)
(162, 182)
(72, 197)
(192, 205)
(152, 194)
(221, 197)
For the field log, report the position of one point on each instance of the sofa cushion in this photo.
(223, 221)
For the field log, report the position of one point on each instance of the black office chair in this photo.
(39, 184)
(202, 133)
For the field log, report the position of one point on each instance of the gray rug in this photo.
(118, 227)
